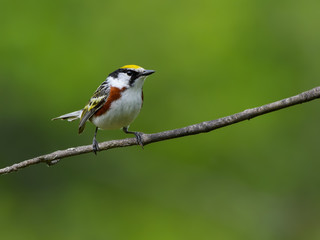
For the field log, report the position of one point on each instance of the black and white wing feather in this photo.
(98, 99)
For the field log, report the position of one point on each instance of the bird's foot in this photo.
(95, 146)
(139, 138)
(137, 134)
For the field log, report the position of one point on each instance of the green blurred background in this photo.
(258, 179)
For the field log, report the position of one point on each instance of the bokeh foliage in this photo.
(255, 180)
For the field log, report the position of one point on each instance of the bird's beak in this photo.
(147, 72)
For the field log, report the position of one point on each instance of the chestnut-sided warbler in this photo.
(115, 103)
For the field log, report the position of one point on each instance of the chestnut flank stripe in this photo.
(114, 94)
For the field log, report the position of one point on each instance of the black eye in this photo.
(130, 73)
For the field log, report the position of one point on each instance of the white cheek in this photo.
(120, 82)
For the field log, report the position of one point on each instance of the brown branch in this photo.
(208, 126)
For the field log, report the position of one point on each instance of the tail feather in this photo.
(70, 116)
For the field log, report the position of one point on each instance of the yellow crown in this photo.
(131, 66)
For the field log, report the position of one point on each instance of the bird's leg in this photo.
(137, 134)
(95, 144)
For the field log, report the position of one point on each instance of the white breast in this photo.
(122, 112)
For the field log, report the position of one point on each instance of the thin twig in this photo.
(207, 126)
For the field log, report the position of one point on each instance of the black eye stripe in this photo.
(133, 74)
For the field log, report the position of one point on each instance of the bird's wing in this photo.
(99, 97)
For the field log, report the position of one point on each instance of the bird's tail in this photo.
(69, 116)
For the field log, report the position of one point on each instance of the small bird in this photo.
(115, 104)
